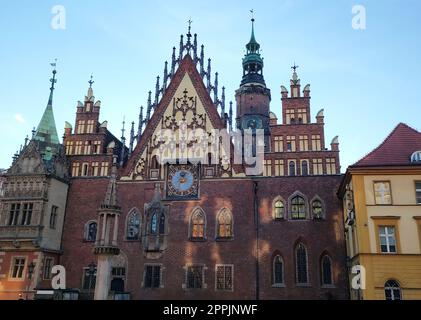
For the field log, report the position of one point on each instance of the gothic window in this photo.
(326, 268)
(317, 209)
(224, 224)
(224, 277)
(301, 267)
(152, 276)
(133, 226)
(194, 277)
(278, 209)
(278, 270)
(304, 168)
(292, 168)
(154, 223)
(198, 224)
(392, 290)
(90, 231)
(298, 208)
(162, 224)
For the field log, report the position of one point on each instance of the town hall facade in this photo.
(150, 219)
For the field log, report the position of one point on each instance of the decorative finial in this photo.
(294, 67)
(53, 80)
(189, 22)
(91, 82)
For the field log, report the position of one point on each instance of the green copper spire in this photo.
(46, 131)
(253, 46)
(252, 61)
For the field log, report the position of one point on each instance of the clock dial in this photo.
(182, 182)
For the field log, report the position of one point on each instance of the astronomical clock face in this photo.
(182, 182)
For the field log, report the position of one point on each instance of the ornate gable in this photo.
(186, 116)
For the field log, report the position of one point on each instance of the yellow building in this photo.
(382, 206)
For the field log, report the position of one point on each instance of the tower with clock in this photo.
(253, 97)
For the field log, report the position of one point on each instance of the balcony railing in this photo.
(20, 232)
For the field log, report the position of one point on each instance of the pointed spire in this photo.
(223, 102)
(47, 131)
(140, 126)
(149, 106)
(110, 200)
(123, 144)
(164, 81)
(253, 46)
(131, 138)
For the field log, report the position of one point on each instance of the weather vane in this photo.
(53, 80)
(190, 22)
(294, 67)
(252, 14)
(91, 82)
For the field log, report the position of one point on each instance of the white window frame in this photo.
(388, 235)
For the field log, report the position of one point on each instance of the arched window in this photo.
(317, 209)
(133, 226)
(416, 156)
(154, 223)
(301, 268)
(162, 224)
(278, 210)
(326, 268)
(392, 290)
(90, 231)
(298, 208)
(197, 224)
(278, 270)
(304, 168)
(292, 168)
(224, 224)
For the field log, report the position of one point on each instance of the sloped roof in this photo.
(187, 66)
(46, 130)
(396, 149)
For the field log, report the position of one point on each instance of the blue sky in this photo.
(366, 80)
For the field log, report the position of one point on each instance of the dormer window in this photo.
(416, 156)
